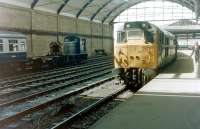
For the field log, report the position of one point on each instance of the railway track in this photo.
(4, 122)
(28, 94)
(66, 122)
(24, 77)
(32, 91)
(53, 75)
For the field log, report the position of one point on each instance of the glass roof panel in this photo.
(93, 7)
(107, 9)
(22, 3)
(48, 5)
(157, 12)
(73, 6)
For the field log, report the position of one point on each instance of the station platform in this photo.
(169, 101)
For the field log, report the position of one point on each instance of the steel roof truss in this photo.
(84, 7)
(62, 6)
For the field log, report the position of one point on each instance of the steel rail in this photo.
(10, 119)
(87, 110)
(55, 81)
(46, 73)
(51, 76)
(8, 79)
(32, 96)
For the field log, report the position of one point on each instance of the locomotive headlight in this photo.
(137, 57)
(143, 25)
(128, 26)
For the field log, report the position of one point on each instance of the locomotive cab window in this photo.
(121, 36)
(135, 34)
(149, 37)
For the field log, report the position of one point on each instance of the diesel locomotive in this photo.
(140, 46)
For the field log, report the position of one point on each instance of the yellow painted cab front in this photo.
(135, 52)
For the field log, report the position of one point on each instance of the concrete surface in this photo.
(170, 101)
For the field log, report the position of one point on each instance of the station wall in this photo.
(42, 27)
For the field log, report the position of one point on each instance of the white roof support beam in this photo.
(62, 6)
(84, 7)
(130, 4)
(197, 9)
(99, 10)
(114, 9)
(123, 9)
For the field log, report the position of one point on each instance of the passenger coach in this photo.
(13, 51)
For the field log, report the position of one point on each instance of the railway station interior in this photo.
(99, 64)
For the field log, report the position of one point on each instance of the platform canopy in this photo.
(95, 10)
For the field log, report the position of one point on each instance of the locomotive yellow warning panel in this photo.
(135, 55)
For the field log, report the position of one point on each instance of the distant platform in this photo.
(170, 101)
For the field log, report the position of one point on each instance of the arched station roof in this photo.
(95, 10)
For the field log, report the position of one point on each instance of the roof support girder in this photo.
(109, 13)
(33, 4)
(197, 9)
(84, 7)
(102, 7)
(128, 6)
(62, 6)
(132, 4)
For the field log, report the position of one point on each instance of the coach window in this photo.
(1, 45)
(22, 46)
(13, 46)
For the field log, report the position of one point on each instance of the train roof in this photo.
(139, 24)
(167, 32)
(11, 34)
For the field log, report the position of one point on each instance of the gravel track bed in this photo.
(45, 77)
(46, 118)
(88, 120)
(18, 107)
(110, 87)
(52, 108)
(22, 77)
(38, 87)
